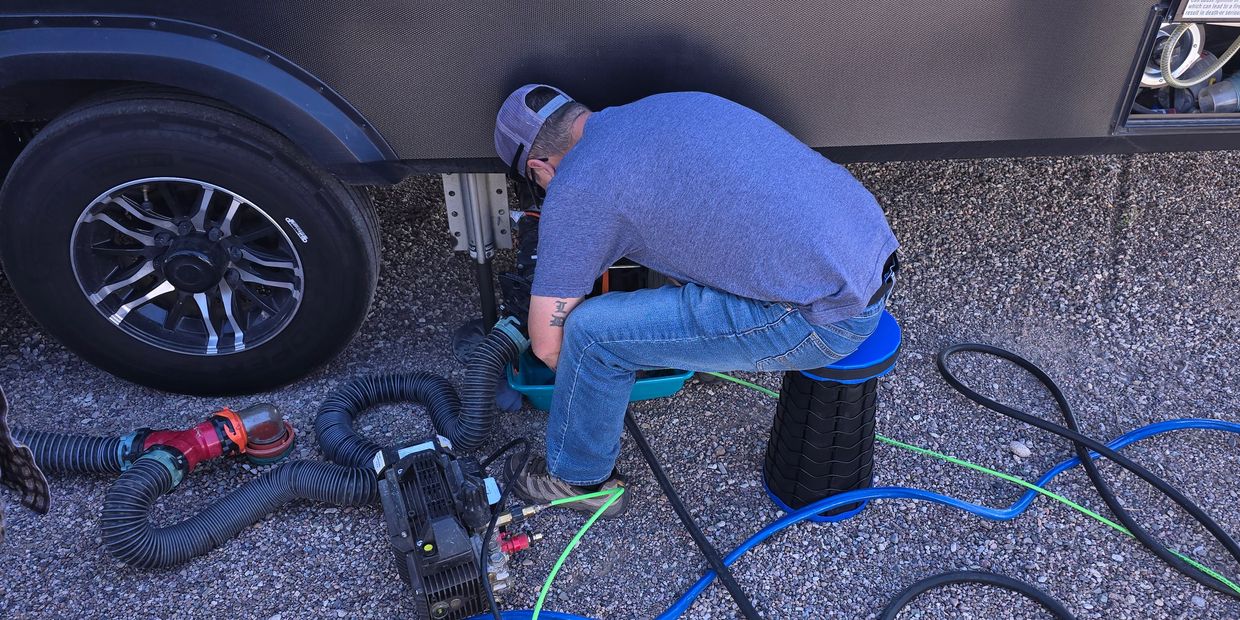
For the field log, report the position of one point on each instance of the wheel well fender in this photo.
(202, 60)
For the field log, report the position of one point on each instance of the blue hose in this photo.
(995, 514)
(683, 603)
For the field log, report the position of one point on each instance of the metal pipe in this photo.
(481, 239)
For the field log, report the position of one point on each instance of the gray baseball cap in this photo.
(517, 124)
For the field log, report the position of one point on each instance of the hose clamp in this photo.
(233, 429)
(129, 449)
(511, 327)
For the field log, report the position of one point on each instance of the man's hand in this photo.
(547, 317)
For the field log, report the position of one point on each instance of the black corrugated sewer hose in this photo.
(129, 535)
(73, 453)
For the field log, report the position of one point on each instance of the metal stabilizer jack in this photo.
(478, 219)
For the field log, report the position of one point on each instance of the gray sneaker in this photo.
(536, 485)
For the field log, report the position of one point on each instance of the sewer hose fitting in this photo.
(258, 431)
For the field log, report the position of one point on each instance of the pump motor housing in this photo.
(436, 507)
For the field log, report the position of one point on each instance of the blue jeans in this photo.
(608, 338)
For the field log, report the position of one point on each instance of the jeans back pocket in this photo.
(809, 353)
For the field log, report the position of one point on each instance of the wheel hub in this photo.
(193, 264)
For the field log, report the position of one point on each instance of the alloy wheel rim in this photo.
(186, 266)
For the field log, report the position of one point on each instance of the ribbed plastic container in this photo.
(822, 443)
(533, 379)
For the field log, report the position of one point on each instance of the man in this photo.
(786, 260)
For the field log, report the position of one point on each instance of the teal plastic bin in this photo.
(534, 380)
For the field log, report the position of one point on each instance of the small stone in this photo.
(1198, 601)
(1020, 449)
(720, 451)
(1118, 557)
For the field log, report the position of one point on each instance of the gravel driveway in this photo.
(1119, 275)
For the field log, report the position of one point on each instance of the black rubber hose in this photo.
(484, 553)
(482, 374)
(67, 452)
(130, 537)
(1083, 445)
(999, 581)
(466, 419)
(334, 424)
(708, 550)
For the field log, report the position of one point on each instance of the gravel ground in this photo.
(1116, 274)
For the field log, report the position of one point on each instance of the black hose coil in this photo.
(902, 600)
(466, 419)
(72, 453)
(334, 423)
(1083, 444)
(130, 537)
(485, 369)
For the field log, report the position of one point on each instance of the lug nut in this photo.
(185, 228)
(234, 253)
(163, 238)
(215, 234)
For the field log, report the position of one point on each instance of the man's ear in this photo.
(539, 166)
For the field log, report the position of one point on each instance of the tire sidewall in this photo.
(73, 162)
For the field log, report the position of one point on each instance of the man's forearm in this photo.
(547, 318)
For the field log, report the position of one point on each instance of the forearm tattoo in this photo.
(560, 313)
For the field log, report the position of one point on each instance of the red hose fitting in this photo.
(266, 436)
(259, 431)
(200, 443)
(510, 544)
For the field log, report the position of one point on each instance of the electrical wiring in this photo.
(708, 550)
(999, 581)
(1083, 445)
(681, 605)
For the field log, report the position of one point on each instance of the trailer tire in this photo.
(259, 265)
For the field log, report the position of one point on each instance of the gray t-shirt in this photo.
(708, 191)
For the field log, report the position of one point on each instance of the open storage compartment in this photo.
(1191, 74)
